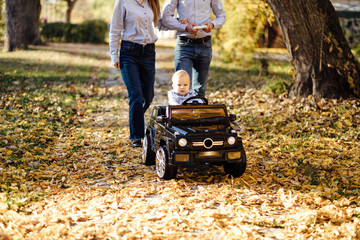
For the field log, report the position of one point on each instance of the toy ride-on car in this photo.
(192, 134)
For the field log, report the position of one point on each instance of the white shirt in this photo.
(132, 22)
(177, 99)
(196, 11)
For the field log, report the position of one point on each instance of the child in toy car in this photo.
(192, 134)
(181, 88)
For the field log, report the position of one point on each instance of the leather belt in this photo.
(195, 40)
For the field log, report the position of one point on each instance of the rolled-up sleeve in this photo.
(116, 28)
(168, 20)
(219, 12)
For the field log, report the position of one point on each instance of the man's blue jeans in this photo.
(195, 60)
(137, 64)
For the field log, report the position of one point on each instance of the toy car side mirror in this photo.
(232, 117)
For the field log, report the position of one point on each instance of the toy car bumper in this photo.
(215, 156)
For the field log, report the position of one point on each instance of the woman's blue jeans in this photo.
(195, 60)
(137, 65)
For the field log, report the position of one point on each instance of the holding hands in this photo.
(191, 28)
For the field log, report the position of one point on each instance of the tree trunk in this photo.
(71, 4)
(22, 24)
(1, 8)
(323, 63)
(31, 22)
(14, 29)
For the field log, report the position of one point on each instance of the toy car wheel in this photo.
(148, 155)
(236, 169)
(163, 169)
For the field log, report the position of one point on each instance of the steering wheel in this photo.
(187, 101)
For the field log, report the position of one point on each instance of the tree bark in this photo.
(14, 37)
(31, 22)
(71, 4)
(323, 63)
(1, 8)
(21, 24)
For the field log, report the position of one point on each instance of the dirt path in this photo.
(102, 191)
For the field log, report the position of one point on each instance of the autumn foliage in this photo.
(67, 170)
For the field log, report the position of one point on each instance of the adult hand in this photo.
(209, 25)
(190, 29)
(117, 64)
(183, 20)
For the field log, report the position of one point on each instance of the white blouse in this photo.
(132, 22)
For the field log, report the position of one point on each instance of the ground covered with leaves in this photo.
(67, 170)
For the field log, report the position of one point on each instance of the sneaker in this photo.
(136, 143)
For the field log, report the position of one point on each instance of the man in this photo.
(193, 50)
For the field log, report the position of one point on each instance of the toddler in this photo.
(181, 88)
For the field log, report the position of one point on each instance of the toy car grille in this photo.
(204, 144)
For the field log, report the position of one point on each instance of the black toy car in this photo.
(192, 134)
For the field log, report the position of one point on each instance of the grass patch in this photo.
(41, 67)
(230, 76)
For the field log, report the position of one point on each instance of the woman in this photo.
(133, 23)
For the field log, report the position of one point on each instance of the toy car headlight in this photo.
(231, 140)
(182, 142)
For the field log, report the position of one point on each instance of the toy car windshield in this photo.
(198, 116)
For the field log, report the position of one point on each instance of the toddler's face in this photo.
(181, 85)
